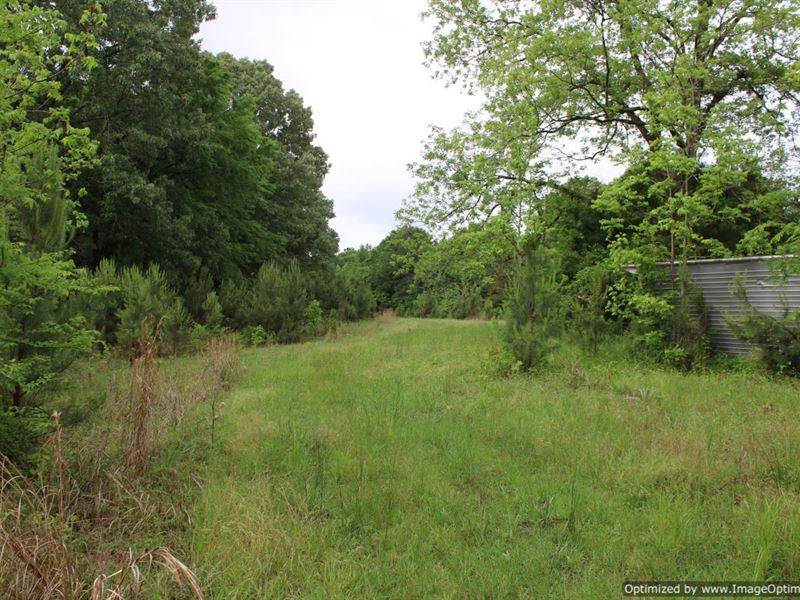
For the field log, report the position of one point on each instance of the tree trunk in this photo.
(19, 395)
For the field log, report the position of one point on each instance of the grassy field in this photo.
(392, 463)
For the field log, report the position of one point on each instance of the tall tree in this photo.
(142, 106)
(207, 166)
(296, 209)
(697, 92)
(40, 150)
(394, 265)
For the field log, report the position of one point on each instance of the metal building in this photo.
(768, 293)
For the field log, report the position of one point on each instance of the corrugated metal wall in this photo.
(715, 279)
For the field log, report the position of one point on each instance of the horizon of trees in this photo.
(142, 175)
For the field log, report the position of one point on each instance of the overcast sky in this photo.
(358, 65)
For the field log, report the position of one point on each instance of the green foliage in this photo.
(359, 301)
(22, 432)
(533, 306)
(574, 225)
(465, 275)
(690, 343)
(279, 301)
(587, 304)
(102, 311)
(296, 212)
(212, 312)
(40, 152)
(275, 300)
(39, 334)
(206, 165)
(256, 335)
(355, 272)
(313, 319)
(639, 82)
(648, 86)
(394, 263)
(234, 298)
(666, 313)
(775, 336)
(149, 294)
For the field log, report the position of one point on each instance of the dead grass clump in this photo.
(222, 361)
(34, 559)
(221, 357)
(143, 395)
(42, 552)
(126, 581)
(60, 534)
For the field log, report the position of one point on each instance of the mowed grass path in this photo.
(388, 464)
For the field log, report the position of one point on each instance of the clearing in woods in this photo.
(392, 463)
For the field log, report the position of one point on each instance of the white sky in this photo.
(358, 65)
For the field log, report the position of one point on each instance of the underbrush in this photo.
(99, 516)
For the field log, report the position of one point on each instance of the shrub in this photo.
(359, 300)
(586, 304)
(102, 310)
(690, 344)
(256, 335)
(313, 315)
(278, 301)
(195, 294)
(668, 318)
(212, 312)
(235, 303)
(533, 307)
(22, 432)
(148, 294)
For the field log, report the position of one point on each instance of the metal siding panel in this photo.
(715, 280)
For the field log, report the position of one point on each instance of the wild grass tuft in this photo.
(101, 519)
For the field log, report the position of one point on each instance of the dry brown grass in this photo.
(222, 361)
(143, 397)
(34, 561)
(60, 534)
(127, 580)
(54, 534)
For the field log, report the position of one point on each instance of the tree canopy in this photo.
(699, 94)
(206, 165)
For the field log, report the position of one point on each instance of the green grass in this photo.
(390, 463)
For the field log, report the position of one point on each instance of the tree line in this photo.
(142, 176)
(697, 101)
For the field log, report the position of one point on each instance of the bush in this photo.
(690, 345)
(278, 301)
(500, 362)
(587, 299)
(146, 294)
(235, 303)
(313, 314)
(256, 335)
(533, 307)
(211, 311)
(22, 433)
(102, 309)
(359, 300)
(670, 322)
